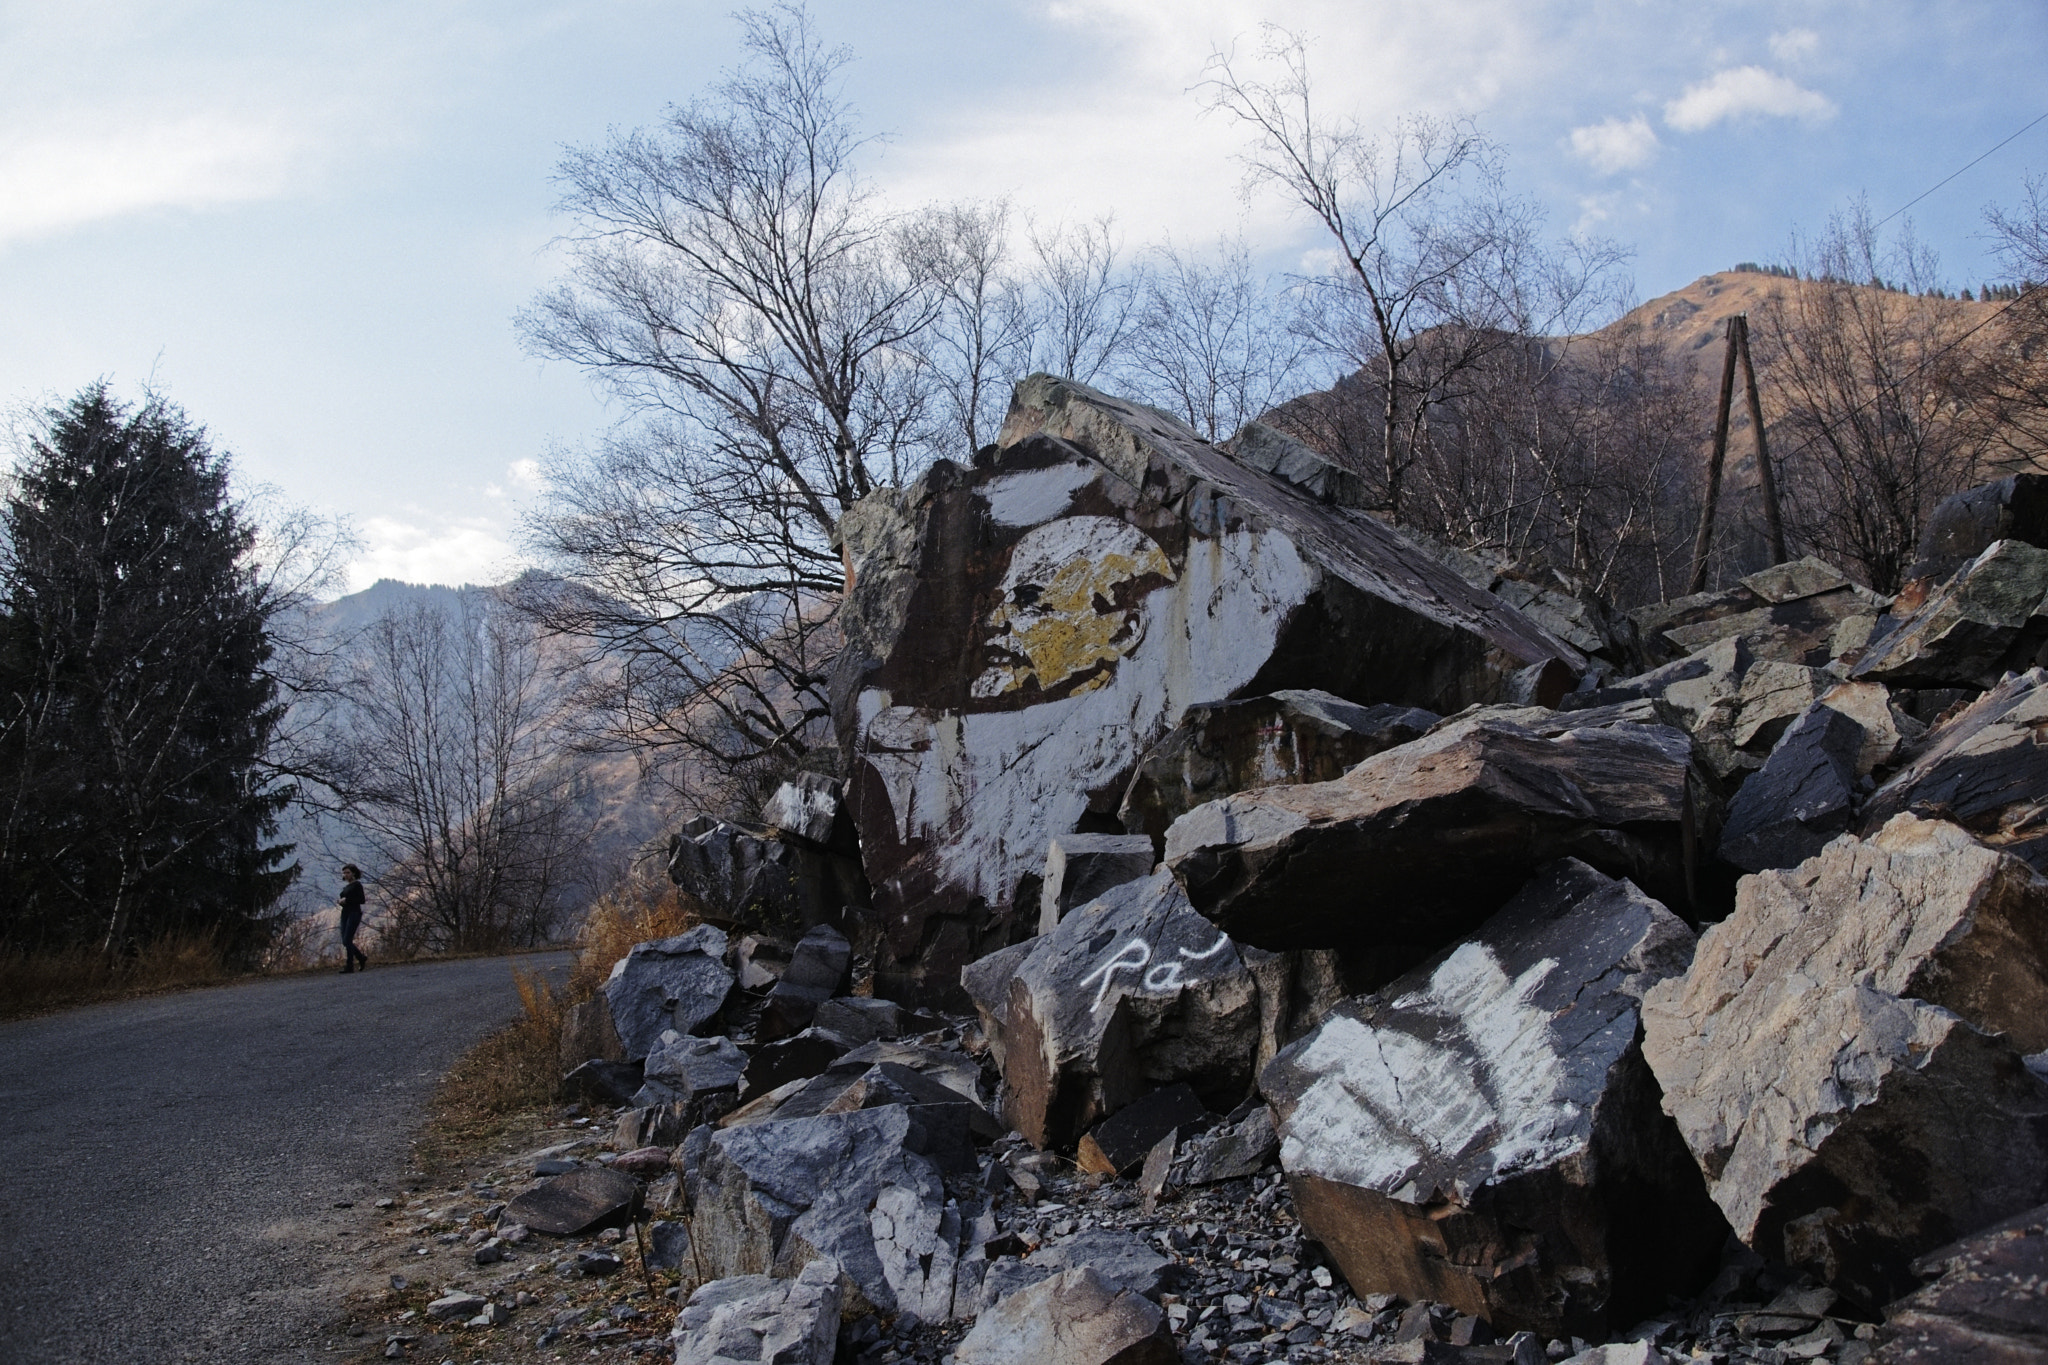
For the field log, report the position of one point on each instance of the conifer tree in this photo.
(137, 706)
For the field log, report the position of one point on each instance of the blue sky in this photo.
(311, 224)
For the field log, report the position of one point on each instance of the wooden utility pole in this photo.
(1774, 524)
(1705, 539)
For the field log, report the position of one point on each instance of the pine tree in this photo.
(137, 709)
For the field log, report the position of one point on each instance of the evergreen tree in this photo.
(137, 707)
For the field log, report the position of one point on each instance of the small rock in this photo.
(455, 1307)
(577, 1201)
(597, 1263)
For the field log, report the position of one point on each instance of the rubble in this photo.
(1986, 770)
(755, 1318)
(1118, 1144)
(672, 983)
(1449, 826)
(1291, 737)
(1127, 993)
(1021, 631)
(1986, 620)
(700, 1075)
(1844, 1056)
(1484, 1132)
(1802, 612)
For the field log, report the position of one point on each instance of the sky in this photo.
(311, 225)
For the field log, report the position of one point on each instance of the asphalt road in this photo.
(169, 1167)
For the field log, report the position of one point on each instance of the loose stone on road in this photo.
(173, 1165)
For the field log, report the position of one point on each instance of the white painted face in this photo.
(1059, 616)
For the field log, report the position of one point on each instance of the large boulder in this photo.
(1986, 1305)
(1986, 769)
(817, 971)
(1965, 525)
(1990, 618)
(1291, 737)
(1484, 1131)
(1415, 846)
(782, 884)
(756, 1318)
(1845, 1055)
(1080, 867)
(1127, 993)
(1020, 631)
(849, 1187)
(1802, 612)
(671, 983)
(1802, 797)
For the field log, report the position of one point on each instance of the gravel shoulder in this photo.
(172, 1165)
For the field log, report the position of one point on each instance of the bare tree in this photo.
(1213, 344)
(2011, 380)
(1089, 300)
(462, 790)
(1872, 384)
(1441, 267)
(988, 314)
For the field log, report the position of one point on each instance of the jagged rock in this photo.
(1415, 846)
(1803, 612)
(668, 1245)
(866, 1018)
(587, 1034)
(955, 1070)
(1080, 867)
(1889, 732)
(1290, 737)
(1241, 1145)
(760, 1320)
(1260, 447)
(702, 1075)
(1986, 770)
(795, 1058)
(749, 875)
(658, 1125)
(672, 983)
(604, 1082)
(1076, 1317)
(1987, 1307)
(1834, 1056)
(1127, 993)
(1018, 633)
(1484, 1132)
(1118, 1144)
(576, 1202)
(773, 1197)
(1964, 525)
(1118, 1257)
(816, 972)
(1987, 620)
(1802, 797)
(948, 1120)
(808, 807)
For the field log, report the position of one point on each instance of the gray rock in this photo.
(1986, 1304)
(673, 983)
(1129, 992)
(816, 972)
(1964, 525)
(1080, 867)
(1449, 826)
(668, 1245)
(697, 1077)
(604, 1082)
(1291, 737)
(1802, 797)
(588, 1035)
(760, 1320)
(1845, 1055)
(1018, 633)
(1986, 770)
(1119, 1257)
(1987, 620)
(579, 1201)
(749, 875)
(1243, 1144)
(456, 1307)
(795, 1058)
(1484, 1132)
(773, 1197)
(1074, 1318)
(1803, 612)
(864, 1018)
(808, 807)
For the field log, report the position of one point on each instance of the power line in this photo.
(1952, 175)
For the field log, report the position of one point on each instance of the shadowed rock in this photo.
(1080, 867)
(1844, 1056)
(751, 875)
(672, 983)
(1802, 797)
(1987, 1306)
(580, 1201)
(1986, 770)
(1802, 612)
(816, 972)
(1020, 631)
(1985, 621)
(1965, 525)
(1484, 1132)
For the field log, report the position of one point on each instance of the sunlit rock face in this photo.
(1021, 630)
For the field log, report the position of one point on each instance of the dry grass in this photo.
(35, 983)
(507, 1077)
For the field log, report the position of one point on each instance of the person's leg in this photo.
(349, 925)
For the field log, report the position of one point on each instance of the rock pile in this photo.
(1372, 954)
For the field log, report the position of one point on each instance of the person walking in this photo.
(351, 902)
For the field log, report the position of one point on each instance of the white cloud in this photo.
(56, 180)
(1794, 44)
(524, 475)
(1614, 145)
(471, 550)
(1743, 91)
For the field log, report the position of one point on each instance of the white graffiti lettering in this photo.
(1134, 956)
(1122, 960)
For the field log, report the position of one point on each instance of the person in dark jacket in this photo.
(351, 902)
